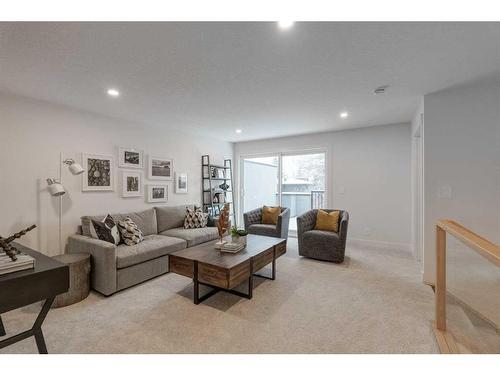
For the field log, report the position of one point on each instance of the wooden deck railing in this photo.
(482, 246)
(317, 199)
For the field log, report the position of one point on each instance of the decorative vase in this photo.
(239, 239)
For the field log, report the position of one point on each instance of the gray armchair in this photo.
(321, 244)
(253, 223)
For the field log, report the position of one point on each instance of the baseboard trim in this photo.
(445, 340)
(370, 244)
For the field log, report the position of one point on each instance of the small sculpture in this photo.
(10, 250)
(223, 222)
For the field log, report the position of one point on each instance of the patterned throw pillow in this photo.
(195, 218)
(106, 230)
(131, 234)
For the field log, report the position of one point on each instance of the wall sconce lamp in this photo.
(55, 187)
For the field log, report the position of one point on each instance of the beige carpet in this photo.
(374, 303)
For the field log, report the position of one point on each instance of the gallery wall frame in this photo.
(157, 193)
(130, 157)
(131, 184)
(160, 168)
(181, 182)
(99, 172)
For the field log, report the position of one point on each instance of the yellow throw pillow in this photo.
(327, 221)
(270, 215)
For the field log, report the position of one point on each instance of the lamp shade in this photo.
(55, 188)
(76, 169)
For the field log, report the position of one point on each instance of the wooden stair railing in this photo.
(482, 246)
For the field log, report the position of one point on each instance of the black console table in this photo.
(42, 283)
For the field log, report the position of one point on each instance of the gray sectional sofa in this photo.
(118, 267)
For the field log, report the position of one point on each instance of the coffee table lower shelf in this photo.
(197, 299)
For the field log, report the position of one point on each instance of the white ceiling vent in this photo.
(380, 89)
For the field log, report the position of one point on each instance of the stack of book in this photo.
(23, 262)
(232, 247)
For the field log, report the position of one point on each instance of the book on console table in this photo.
(23, 262)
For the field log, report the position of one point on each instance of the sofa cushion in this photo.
(145, 221)
(193, 236)
(263, 229)
(170, 217)
(152, 247)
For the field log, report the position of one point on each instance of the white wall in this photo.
(462, 152)
(371, 164)
(33, 133)
(417, 177)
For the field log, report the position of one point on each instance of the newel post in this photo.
(440, 278)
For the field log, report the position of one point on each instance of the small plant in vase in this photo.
(239, 235)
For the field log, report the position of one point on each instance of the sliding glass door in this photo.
(293, 180)
(260, 182)
(302, 184)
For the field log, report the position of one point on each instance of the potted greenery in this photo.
(238, 235)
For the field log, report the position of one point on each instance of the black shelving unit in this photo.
(211, 186)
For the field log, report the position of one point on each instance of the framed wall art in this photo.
(98, 174)
(160, 168)
(157, 193)
(181, 183)
(129, 157)
(131, 184)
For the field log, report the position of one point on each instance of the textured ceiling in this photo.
(211, 78)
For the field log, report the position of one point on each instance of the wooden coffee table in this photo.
(224, 271)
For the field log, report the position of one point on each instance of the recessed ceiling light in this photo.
(344, 114)
(113, 92)
(284, 25)
(239, 131)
